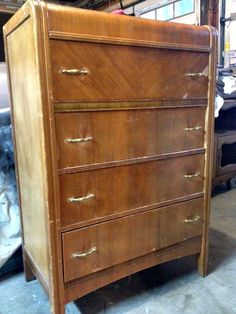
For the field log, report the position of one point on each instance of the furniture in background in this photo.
(113, 126)
(225, 144)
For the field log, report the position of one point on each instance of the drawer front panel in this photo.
(95, 137)
(106, 72)
(91, 194)
(94, 248)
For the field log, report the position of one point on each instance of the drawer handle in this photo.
(79, 199)
(189, 176)
(197, 74)
(78, 254)
(192, 220)
(78, 140)
(75, 71)
(195, 128)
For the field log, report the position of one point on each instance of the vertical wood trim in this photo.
(209, 145)
(56, 275)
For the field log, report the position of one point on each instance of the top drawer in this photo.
(106, 72)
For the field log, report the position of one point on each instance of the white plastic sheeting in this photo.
(230, 84)
(219, 102)
(10, 238)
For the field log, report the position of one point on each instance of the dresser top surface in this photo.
(70, 21)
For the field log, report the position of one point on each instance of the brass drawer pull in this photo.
(192, 220)
(79, 199)
(189, 176)
(78, 140)
(195, 128)
(75, 71)
(78, 254)
(193, 75)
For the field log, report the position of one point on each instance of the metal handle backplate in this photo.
(192, 220)
(84, 254)
(78, 140)
(195, 128)
(189, 176)
(75, 71)
(79, 199)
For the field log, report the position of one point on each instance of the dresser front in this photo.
(130, 132)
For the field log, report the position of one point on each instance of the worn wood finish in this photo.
(127, 134)
(126, 73)
(139, 185)
(125, 42)
(30, 142)
(139, 153)
(120, 214)
(41, 117)
(128, 105)
(84, 285)
(148, 228)
(64, 20)
(137, 160)
(209, 142)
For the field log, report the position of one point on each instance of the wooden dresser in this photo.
(113, 124)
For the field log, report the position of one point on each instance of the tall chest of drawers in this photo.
(113, 121)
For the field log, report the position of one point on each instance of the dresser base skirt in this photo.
(82, 286)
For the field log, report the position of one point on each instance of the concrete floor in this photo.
(171, 288)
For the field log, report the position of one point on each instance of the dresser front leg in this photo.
(58, 307)
(202, 263)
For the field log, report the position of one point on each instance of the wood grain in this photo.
(125, 42)
(84, 285)
(135, 101)
(33, 10)
(125, 73)
(30, 142)
(128, 105)
(116, 215)
(137, 160)
(133, 236)
(120, 135)
(65, 19)
(128, 187)
(209, 142)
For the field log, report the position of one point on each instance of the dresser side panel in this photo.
(29, 141)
